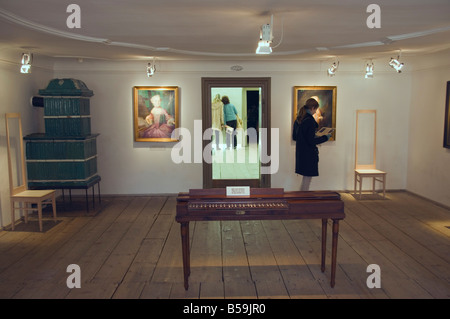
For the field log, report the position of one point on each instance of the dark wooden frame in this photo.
(447, 118)
(207, 85)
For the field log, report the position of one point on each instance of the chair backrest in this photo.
(366, 139)
(16, 160)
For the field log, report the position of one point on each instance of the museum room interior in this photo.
(119, 226)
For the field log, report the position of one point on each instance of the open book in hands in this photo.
(325, 131)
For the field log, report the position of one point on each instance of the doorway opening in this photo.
(237, 164)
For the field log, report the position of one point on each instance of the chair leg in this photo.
(25, 211)
(360, 186)
(13, 217)
(54, 207)
(40, 215)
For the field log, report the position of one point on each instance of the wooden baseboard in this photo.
(428, 199)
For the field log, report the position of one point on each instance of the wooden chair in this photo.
(368, 169)
(20, 193)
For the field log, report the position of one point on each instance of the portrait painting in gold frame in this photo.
(156, 113)
(326, 96)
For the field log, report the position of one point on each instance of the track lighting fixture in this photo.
(369, 70)
(265, 38)
(332, 69)
(151, 68)
(27, 59)
(396, 65)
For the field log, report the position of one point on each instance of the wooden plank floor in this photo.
(132, 249)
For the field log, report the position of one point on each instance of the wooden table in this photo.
(261, 204)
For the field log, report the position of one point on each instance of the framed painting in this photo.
(447, 118)
(156, 113)
(326, 96)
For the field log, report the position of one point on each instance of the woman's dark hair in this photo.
(309, 105)
(225, 99)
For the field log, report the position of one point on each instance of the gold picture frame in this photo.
(326, 96)
(156, 113)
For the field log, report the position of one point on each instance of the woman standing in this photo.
(306, 151)
(229, 114)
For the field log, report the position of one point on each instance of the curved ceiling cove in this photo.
(301, 29)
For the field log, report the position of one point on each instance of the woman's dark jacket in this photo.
(306, 151)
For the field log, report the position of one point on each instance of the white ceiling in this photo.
(225, 29)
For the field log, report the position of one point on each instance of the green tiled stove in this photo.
(65, 157)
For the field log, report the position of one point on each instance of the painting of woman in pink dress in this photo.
(161, 123)
(156, 111)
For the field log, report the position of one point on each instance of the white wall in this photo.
(128, 167)
(387, 92)
(428, 161)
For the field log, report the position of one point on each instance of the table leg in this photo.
(87, 200)
(63, 198)
(186, 253)
(99, 196)
(93, 197)
(334, 251)
(324, 243)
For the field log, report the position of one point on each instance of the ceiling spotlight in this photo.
(369, 70)
(332, 69)
(265, 38)
(27, 58)
(151, 69)
(396, 65)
